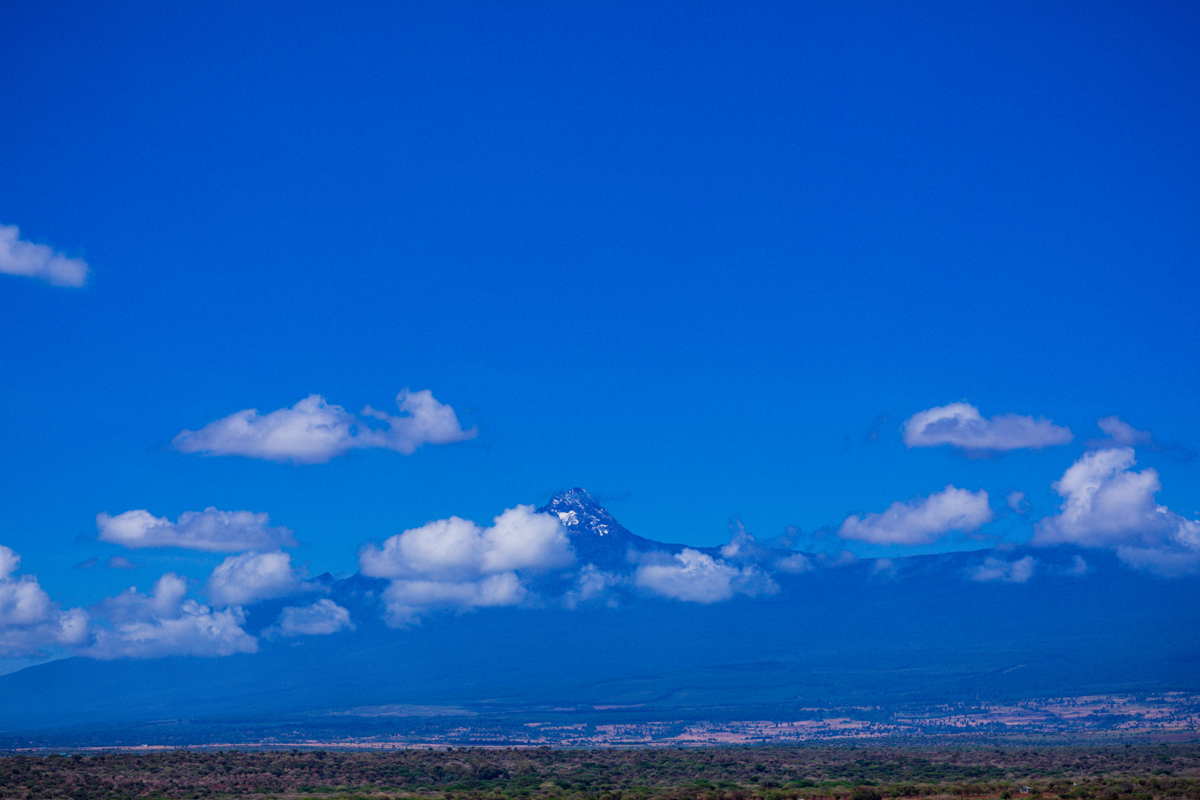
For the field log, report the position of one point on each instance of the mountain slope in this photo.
(919, 631)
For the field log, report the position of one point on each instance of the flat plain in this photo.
(848, 771)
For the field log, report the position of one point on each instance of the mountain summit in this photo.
(581, 514)
(595, 534)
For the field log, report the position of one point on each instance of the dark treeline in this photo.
(1146, 772)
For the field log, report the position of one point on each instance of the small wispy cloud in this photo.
(961, 425)
(19, 257)
(313, 431)
(592, 582)
(996, 569)
(1119, 433)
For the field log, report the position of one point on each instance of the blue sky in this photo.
(702, 259)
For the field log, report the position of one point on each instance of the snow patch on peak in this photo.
(580, 514)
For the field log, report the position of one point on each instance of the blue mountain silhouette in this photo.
(918, 631)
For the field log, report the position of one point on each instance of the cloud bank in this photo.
(454, 562)
(923, 520)
(1108, 505)
(961, 425)
(209, 530)
(313, 431)
(18, 257)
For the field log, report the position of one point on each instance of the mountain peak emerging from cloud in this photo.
(595, 533)
(581, 514)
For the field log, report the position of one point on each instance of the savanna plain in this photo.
(829, 772)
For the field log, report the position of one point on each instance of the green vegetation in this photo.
(1150, 772)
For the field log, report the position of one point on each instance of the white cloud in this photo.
(1017, 502)
(18, 257)
(406, 599)
(247, 578)
(457, 549)
(29, 621)
(1078, 566)
(1106, 504)
(961, 425)
(699, 578)
(456, 563)
(313, 431)
(321, 618)
(995, 569)
(1109, 505)
(923, 520)
(164, 623)
(209, 530)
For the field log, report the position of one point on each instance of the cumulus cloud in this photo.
(1109, 505)
(321, 618)
(166, 623)
(29, 621)
(19, 257)
(699, 578)
(457, 549)
(209, 530)
(923, 520)
(456, 563)
(313, 431)
(996, 569)
(961, 425)
(247, 578)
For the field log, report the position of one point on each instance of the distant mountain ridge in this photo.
(915, 629)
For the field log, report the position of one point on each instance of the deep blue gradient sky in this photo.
(689, 256)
